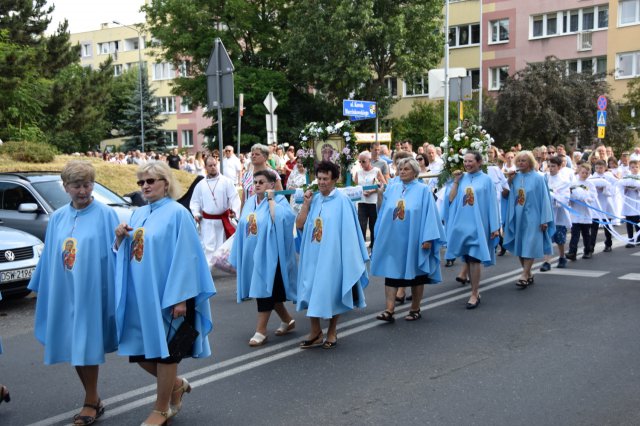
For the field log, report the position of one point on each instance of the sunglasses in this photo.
(149, 181)
(420, 159)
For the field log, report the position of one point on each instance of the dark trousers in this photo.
(594, 234)
(367, 213)
(633, 228)
(576, 230)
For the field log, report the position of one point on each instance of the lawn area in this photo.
(118, 178)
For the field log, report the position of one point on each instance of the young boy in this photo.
(583, 191)
(631, 207)
(559, 190)
(604, 183)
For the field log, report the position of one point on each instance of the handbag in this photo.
(181, 344)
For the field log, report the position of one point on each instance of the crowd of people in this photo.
(132, 294)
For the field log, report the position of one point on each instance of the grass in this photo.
(119, 178)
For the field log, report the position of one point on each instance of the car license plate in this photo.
(17, 275)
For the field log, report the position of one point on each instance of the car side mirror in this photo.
(128, 200)
(28, 208)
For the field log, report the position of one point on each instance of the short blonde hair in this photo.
(78, 171)
(530, 157)
(160, 170)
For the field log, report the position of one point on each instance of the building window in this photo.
(475, 78)
(499, 31)
(569, 21)
(187, 138)
(417, 87)
(167, 104)
(392, 85)
(107, 47)
(170, 138)
(184, 69)
(628, 65)
(117, 70)
(464, 35)
(132, 44)
(184, 105)
(629, 12)
(163, 71)
(597, 65)
(497, 76)
(86, 50)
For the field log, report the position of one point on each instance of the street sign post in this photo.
(601, 120)
(220, 85)
(359, 110)
(272, 120)
(602, 102)
(601, 132)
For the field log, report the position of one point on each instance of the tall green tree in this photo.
(632, 106)
(152, 116)
(345, 48)
(545, 104)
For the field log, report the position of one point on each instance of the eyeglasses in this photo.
(149, 181)
(551, 152)
(363, 161)
(227, 150)
(420, 159)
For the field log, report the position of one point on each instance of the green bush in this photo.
(29, 152)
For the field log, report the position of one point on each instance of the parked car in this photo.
(19, 255)
(27, 199)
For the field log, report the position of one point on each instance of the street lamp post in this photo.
(140, 68)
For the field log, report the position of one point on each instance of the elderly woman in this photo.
(264, 255)
(259, 156)
(163, 279)
(472, 221)
(332, 273)
(409, 235)
(75, 309)
(368, 175)
(297, 179)
(529, 219)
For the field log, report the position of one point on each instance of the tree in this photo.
(345, 48)
(632, 107)
(545, 104)
(130, 123)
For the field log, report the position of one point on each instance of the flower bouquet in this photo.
(454, 147)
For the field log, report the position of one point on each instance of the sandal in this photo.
(184, 388)
(330, 345)
(522, 283)
(530, 280)
(413, 316)
(400, 300)
(449, 262)
(312, 343)
(386, 316)
(285, 327)
(4, 394)
(462, 281)
(258, 339)
(166, 414)
(89, 420)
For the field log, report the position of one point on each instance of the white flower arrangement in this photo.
(463, 140)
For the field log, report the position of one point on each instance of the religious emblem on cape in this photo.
(521, 198)
(137, 245)
(69, 248)
(398, 212)
(316, 235)
(468, 198)
(252, 225)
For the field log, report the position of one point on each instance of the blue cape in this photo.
(471, 218)
(398, 251)
(522, 234)
(257, 248)
(330, 268)
(169, 267)
(75, 309)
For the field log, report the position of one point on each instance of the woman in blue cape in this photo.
(162, 280)
(409, 235)
(74, 279)
(264, 255)
(332, 273)
(529, 222)
(472, 222)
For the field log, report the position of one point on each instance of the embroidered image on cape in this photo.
(137, 245)
(69, 247)
(316, 235)
(469, 198)
(398, 212)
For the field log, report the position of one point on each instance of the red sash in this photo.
(229, 229)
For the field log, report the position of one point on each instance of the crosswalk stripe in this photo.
(576, 273)
(636, 254)
(632, 277)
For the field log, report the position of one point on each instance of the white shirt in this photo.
(231, 168)
(215, 196)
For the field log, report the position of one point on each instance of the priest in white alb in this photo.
(214, 203)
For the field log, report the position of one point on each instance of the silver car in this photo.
(19, 255)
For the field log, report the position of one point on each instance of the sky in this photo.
(87, 15)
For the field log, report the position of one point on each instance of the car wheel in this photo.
(17, 294)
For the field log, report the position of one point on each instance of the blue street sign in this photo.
(360, 110)
(602, 102)
(602, 118)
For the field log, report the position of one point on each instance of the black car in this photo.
(27, 199)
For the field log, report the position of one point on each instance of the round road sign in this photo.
(602, 103)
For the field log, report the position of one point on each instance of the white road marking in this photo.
(576, 272)
(632, 277)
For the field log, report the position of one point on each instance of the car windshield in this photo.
(53, 192)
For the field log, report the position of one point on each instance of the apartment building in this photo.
(184, 125)
(595, 36)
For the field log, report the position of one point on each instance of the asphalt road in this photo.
(563, 352)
